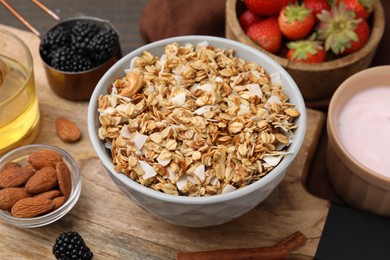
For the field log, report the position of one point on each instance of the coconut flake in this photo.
(275, 78)
(178, 79)
(133, 65)
(108, 144)
(203, 110)
(179, 100)
(272, 160)
(113, 98)
(218, 79)
(271, 100)
(108, 110)
(244, 109)
(163, 59)
(181, 182)
(255, 89)
(180, 68)
(200, 172)
(163, 162)
(191, 179)
(214, 180)
(228, 188)
(208, 87)
(171, 175)
(149, 171)
(125, 132)
(203, 44)
(139, 140)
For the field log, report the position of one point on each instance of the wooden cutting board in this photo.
(115, 228)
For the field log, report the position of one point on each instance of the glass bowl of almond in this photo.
(39, 184)
(197, 130)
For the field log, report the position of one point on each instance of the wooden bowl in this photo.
(316, 81)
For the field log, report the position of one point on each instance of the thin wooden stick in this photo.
(17, 15)
(47, 10)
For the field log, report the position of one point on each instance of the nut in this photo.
(58, 202)
(9, 196)
(205, 122)
(51, 194)
(64, 179)
(43, 180)
(31, 207)
(14, 177)
(40, 184)
(44, 158)
(135, 83)
(67, 130)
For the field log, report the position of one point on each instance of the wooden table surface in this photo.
(114, 227)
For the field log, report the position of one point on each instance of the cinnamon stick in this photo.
(264, 253)
(292, 241)
(278, 251)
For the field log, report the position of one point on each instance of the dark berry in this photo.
(68, 59)
(70, 245)
(82, 33)
(56, 38)
(103, 45)
(80, 47)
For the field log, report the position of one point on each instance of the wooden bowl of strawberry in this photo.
(319, 42)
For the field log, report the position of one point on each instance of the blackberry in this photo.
(78, 47)
(82, 33)
(68, 59)
(53, 40)
(70, 245)
(103, 45)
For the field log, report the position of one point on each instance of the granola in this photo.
(197, 121)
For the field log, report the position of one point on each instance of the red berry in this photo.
(247, 18)
(266, 7)
(362, 31)
(266, 34)
(307, 51)
(317, 6)
(362, 8)
(296, 21)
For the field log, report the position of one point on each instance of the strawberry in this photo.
(296, 21)
(362, 8)
(341, 31)
(308, 51)
(247, 18)
(266, 7)
(266, 34)
(317, 6)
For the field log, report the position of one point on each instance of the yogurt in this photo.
(364, 126)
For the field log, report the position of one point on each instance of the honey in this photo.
(19, 111)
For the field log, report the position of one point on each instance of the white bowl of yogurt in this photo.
(358, 128)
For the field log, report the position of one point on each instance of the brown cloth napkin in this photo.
(162, 19)
(167, 18)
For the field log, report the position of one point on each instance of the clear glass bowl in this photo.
(20, 155)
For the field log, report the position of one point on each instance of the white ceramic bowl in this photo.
(199, 211)
(20, 155)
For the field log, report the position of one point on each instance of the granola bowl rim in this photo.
(117, 70)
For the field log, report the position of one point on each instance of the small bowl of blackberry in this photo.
(76, 53)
